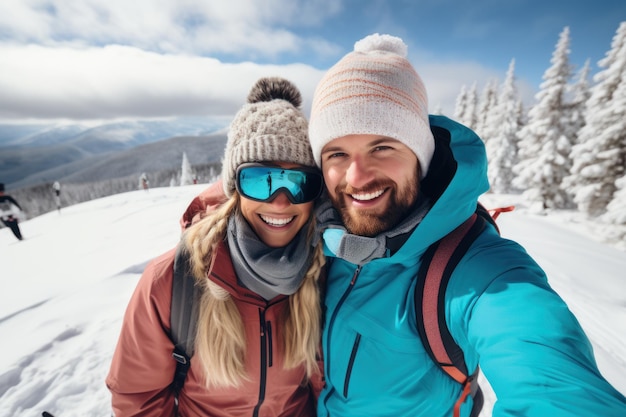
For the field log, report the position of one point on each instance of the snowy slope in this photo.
(64, 289)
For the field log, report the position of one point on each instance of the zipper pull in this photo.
(262, 322)
(356, 273)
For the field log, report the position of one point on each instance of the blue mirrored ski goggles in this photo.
(260, 182)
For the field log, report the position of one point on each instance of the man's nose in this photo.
(359, 173)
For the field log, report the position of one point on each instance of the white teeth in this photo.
(276, 222)
(368, 196)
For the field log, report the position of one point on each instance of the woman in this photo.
(258, 334)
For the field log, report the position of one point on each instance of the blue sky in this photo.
(89, 60)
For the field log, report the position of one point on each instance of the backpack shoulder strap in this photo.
(184, 315)
(437, 266)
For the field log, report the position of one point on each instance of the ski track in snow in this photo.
(68, 372)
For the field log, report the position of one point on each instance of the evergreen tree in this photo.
(466, 107)
(460, 106)
(543, 148)
(502, 147)
(186, 176)
(488, 101)
(616, 213)
(616, 209)
(599, 157)
(470, 119)
(574, 111)
(521, 116)
(577, 106)
(212, 174)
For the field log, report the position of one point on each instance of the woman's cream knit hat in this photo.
(269, 128)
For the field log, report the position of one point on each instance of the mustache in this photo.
(369, 188)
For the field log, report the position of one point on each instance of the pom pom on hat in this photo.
(269, 128)
(373, 90)
(381, 43)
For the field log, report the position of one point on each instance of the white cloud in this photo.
(120, 81)
(201, 27)
(156, 58)
(115, 81)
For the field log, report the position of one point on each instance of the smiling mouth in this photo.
(272, 221)
(367, 196)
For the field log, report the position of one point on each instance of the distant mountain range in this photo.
(31, 155)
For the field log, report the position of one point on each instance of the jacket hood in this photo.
(210, 199)
(456, 178)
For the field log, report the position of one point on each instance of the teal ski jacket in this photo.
(500, 309)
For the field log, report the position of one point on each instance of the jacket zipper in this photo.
(270, 345)
(355, 348)
(263, 376)
(332, 322)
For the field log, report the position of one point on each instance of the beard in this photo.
(372, 222)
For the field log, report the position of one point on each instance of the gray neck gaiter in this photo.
(268, 271)
(360, 250)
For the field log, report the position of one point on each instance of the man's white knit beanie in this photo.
(269, 128)
(373, 90)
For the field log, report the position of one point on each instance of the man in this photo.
(10, 211)
(399, 181)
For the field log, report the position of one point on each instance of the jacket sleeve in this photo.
(530, 346)
(12, 200)
(142, 368)
(204, 203)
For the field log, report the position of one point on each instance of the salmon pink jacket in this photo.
(142, 368)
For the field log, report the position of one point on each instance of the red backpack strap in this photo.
(437, 266)
(495, 212)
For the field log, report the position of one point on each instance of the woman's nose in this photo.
(281, 199)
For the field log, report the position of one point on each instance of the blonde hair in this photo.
(220, 342)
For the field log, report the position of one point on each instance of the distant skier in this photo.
(10, 212)
(57, 194)
(143, 180)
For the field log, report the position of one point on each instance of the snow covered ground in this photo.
(64, 289)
